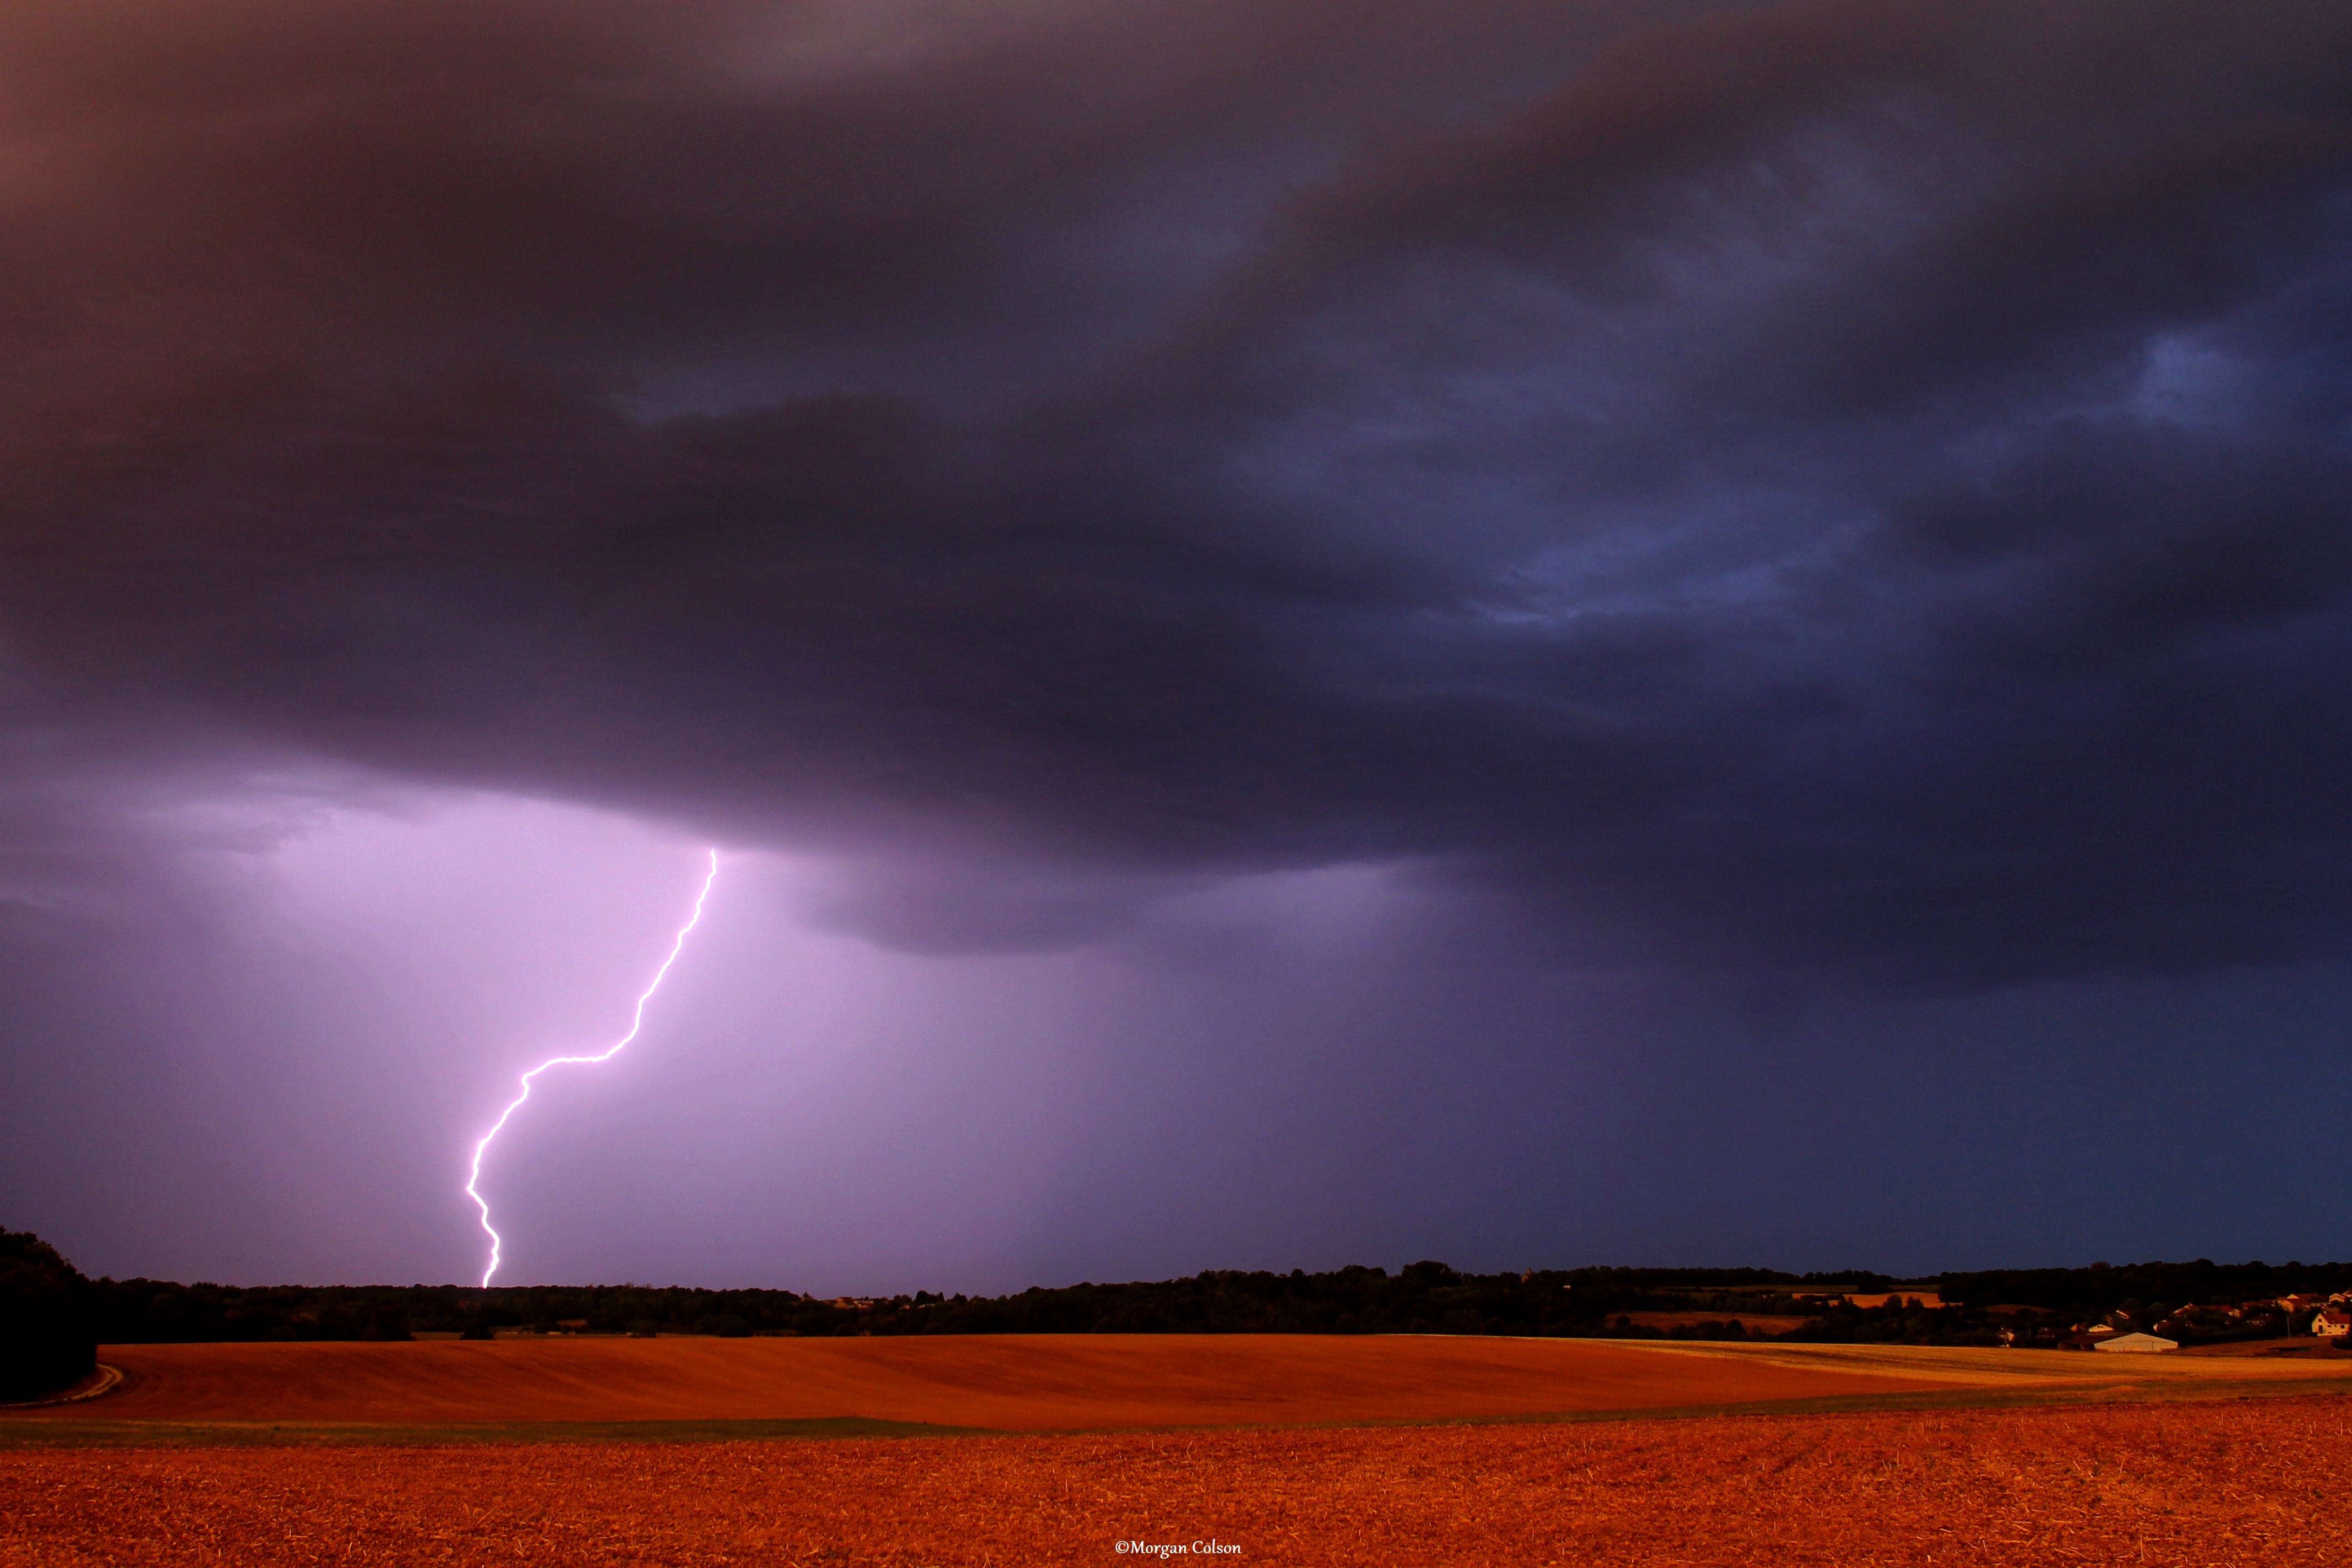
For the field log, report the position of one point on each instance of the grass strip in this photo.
(52, 1433)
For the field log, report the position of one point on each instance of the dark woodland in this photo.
(55, 1315)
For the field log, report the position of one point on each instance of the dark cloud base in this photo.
(1826, 487)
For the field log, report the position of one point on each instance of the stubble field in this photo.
(1001, 1382)
(2229, 1482)
(1300, 1450)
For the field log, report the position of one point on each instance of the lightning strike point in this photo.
(636, 1023)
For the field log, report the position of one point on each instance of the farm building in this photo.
(2141, 1343)
(2332, 1322)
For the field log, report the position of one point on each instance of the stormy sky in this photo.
(1313, 633)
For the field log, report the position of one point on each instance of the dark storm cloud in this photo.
(1848, 486)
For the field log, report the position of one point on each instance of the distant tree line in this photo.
(2103, 1288)
(53, 1315)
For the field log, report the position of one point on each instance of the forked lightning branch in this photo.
(636, 1023)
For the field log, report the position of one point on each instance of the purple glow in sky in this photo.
(1294, 1069)
(1618, 631)
(636, 1023)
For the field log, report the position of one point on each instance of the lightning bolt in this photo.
(637, 1022)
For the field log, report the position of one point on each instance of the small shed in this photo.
(2141, 1343)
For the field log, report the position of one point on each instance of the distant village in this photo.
(2327, 1321)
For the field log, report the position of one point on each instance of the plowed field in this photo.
(2175, 1483)
(1006, 1382)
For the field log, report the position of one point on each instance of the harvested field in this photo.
(2208, 1482)
(1916, 1297)
(1076, 1381)
(2305, 1345)
(1753, 1323)
(1006, 1382)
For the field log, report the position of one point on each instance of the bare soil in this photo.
(1003, 1382)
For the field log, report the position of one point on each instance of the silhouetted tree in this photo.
(46, 1339)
